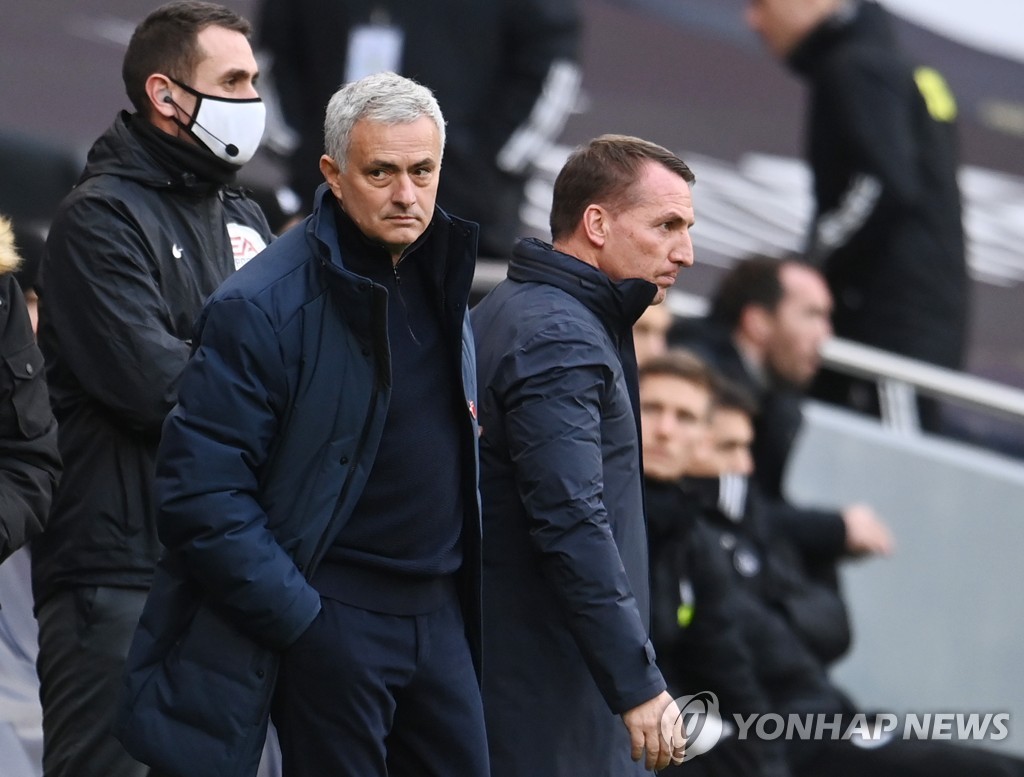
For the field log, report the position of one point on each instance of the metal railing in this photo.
(899, 379)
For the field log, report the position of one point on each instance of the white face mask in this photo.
(230, 128)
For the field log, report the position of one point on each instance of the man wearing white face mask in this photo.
(152, 228)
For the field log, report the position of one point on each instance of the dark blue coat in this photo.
(566, 590)
(279, 416)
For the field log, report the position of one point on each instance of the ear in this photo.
(332, 174)
(595, 223)
(158, 88)
(756, 323)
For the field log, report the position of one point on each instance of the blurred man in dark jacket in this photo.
(504, 71)
(151, 229)
(566, 594)
(881, 143)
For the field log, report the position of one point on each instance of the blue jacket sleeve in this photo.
(553, 423)
(215, 443)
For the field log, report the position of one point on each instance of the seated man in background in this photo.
(675, 402)
(650, 333)
(733, 614)
(768, 321)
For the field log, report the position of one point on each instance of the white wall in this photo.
(938, 626)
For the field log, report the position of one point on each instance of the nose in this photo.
(666, 426)
(745, 463)
(682, 254)
(251, 91)
(404, 191)
(653, 424)
(824, 332)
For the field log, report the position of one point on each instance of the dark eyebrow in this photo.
(391, 167)
(669, 217)
(239, 73)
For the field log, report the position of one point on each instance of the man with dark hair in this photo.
(731, 431)
(695, 620)
(768, 320)
(317, 486)
(566, 597)
(151, 229)
(881, 143)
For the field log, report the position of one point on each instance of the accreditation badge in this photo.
(373, 48)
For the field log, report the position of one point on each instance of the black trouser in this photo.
(364, 694)
(84, 636)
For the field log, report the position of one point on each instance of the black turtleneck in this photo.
(402, 542)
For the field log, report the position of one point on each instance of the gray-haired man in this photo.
(317, 485)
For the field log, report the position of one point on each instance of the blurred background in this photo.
(685, 73)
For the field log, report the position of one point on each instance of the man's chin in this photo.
(663, 474)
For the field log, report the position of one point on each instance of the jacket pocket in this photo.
(26, 396)
(202, 709)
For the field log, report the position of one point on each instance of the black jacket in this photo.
(29, 462)
(133, 252)
(768, 567)
(504, 72)
(741, 580)
(697, 625)
(566, 592)
(887, 228)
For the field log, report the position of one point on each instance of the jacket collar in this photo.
(131, 148)
(617, 304)
(449, 242)
(856, 18)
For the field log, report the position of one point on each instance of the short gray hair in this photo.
(387, 98)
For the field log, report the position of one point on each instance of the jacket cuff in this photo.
(645, 682)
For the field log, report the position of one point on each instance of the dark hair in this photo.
(727, 394)
(604, 171)
(682, 364)
(167, 41)
(754, 281)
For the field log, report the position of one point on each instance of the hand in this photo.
(865, 532)
(644, 725)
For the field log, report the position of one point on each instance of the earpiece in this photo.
(167, 97)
